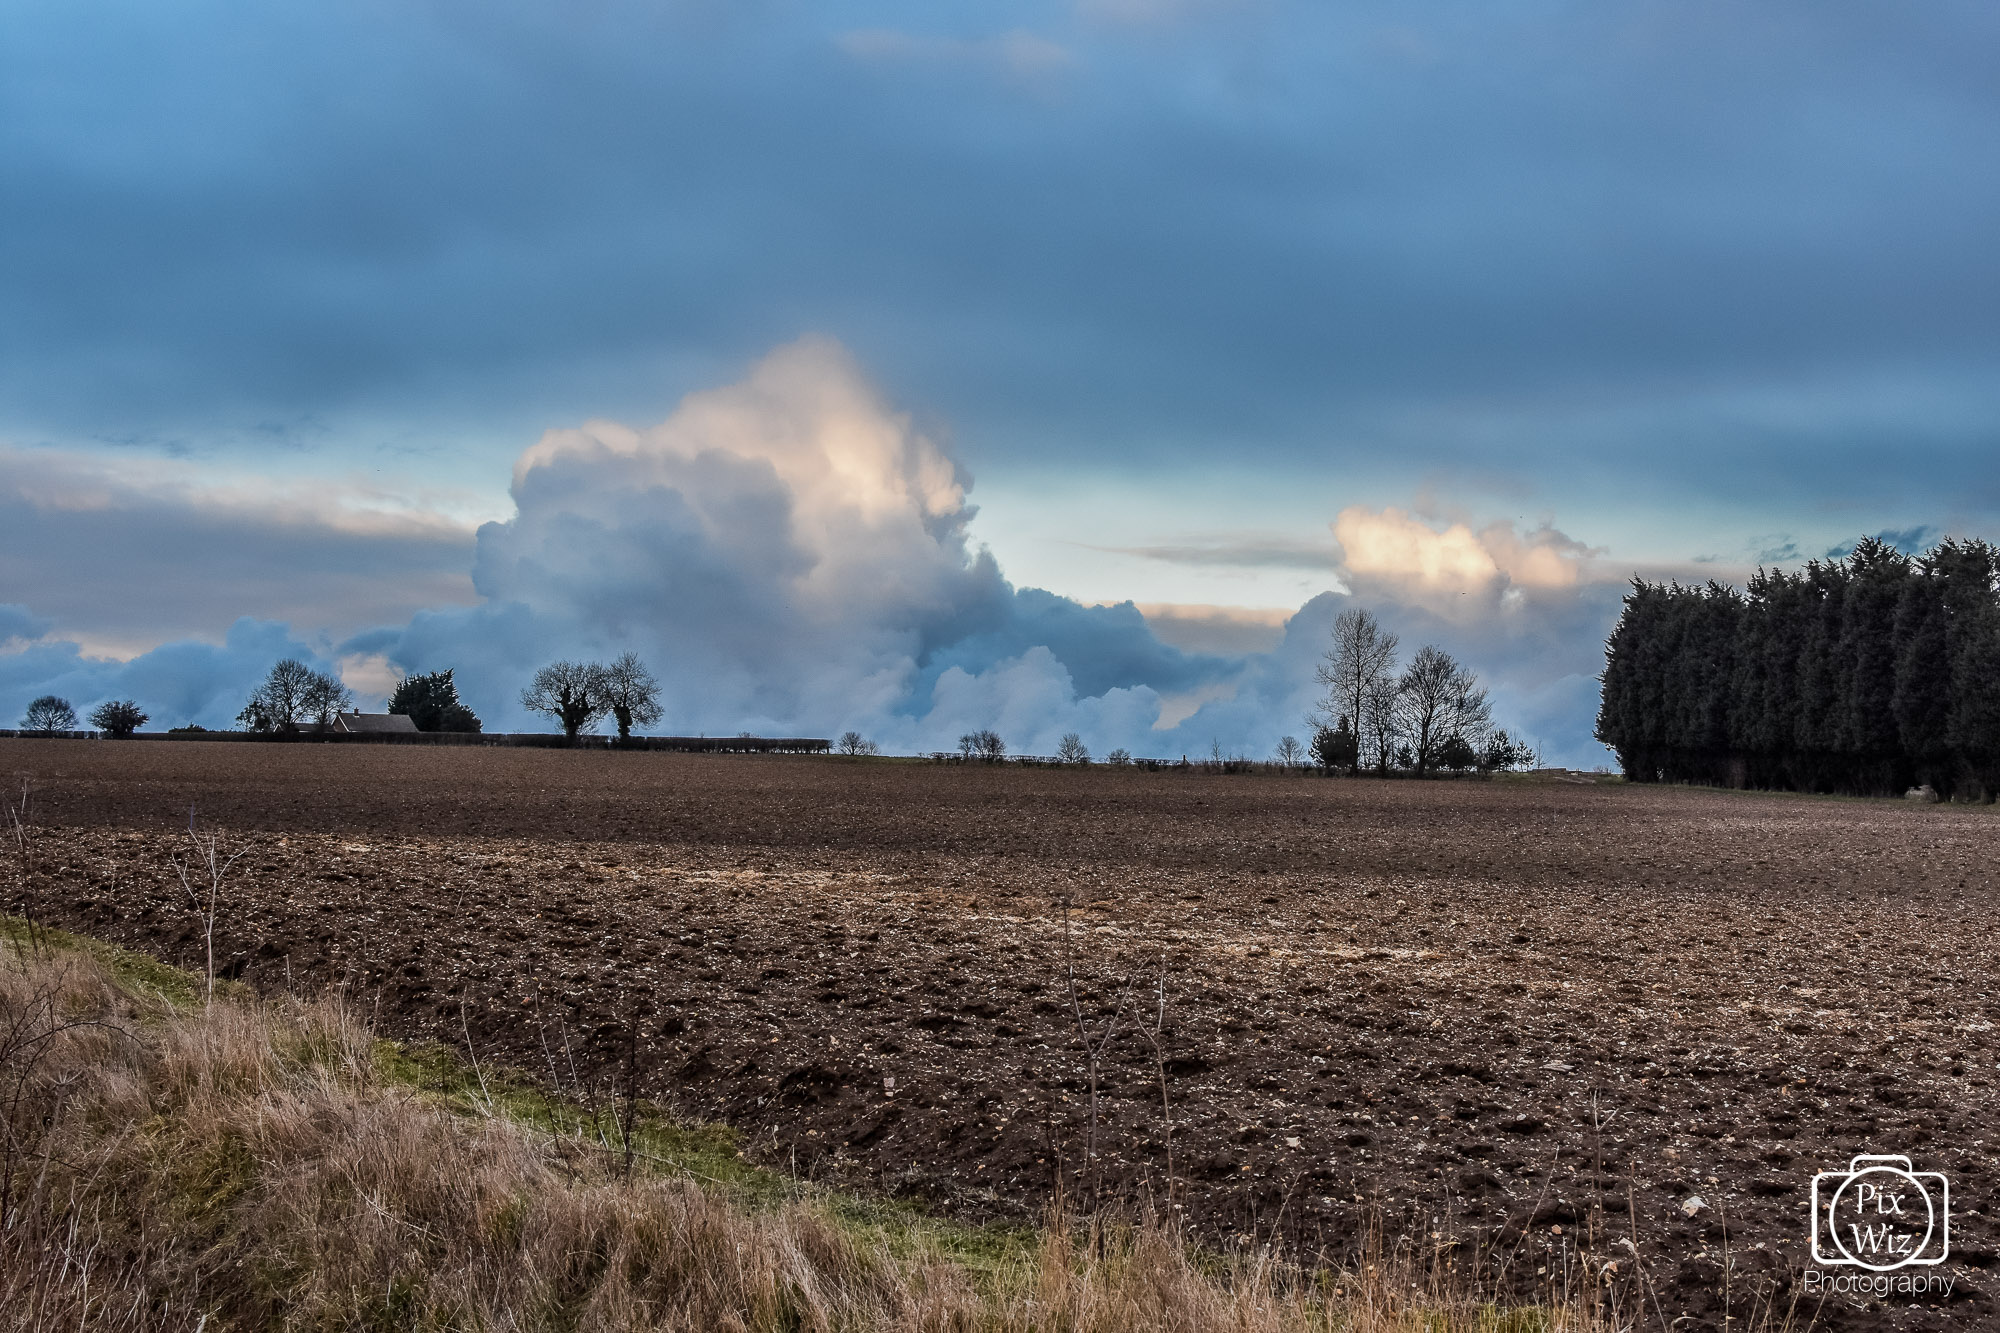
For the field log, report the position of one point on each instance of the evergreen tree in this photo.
(1869, 740)
(1859, 675)
(1336, 747)
(431, 702)
(1972, 732)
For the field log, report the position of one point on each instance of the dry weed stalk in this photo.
(21, 839)
(1094, 1045)
(205, 862)
(1155, 1035)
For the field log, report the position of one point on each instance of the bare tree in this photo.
(1438, 702)
(1119, 757)
(1071, 749)
(1289, 752)
(630, 693)
(1359, 673)
(570, 692)
(991, 748)
(854, 743)
(1377, 733)
(49, 714)
(292, 696)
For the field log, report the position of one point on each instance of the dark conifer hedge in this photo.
(1866, 675)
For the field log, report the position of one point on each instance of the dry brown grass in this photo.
(176, 1166)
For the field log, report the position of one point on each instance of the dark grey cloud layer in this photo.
(128, 557)
(1666, 248)
(1668, 255)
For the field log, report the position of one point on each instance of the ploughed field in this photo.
(1526, 1017)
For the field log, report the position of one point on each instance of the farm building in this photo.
(355, 724)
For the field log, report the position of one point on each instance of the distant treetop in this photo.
(50, 713)
(431, 702)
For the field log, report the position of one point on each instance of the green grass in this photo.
(709, 1153)
(140, 972)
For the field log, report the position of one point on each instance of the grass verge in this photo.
(244, 1164)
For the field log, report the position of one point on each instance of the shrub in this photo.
(1336, 747)
(1457, 752)
(118, 717)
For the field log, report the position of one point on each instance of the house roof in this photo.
(373, 722)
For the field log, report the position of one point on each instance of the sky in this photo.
(1050, 366)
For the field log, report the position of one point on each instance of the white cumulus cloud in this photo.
(792, 555)
(1397, 551)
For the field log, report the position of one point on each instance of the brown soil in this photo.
(1529, 1016)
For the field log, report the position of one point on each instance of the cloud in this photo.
(1528, 610)
(127, 554)
(18, 624)
(1908, 540)
(1017, 51)
(1229, 630)
(793, 555)
(177, 683)
(1388, 548)
(1776, 549)
(1539, 656)
(1238, 552)
(1631, 256)
(1150, 11)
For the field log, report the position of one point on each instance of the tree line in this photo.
(51, 714)
(1377, 715)
(577, 695)
(1867, 675)
(294, 699)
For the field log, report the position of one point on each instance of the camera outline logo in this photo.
(1885, 1203)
